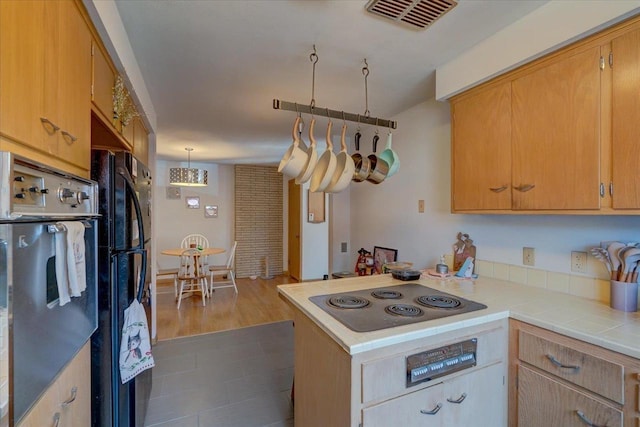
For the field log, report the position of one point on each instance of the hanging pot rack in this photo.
(312, 109)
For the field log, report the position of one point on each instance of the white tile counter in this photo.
(576, 317)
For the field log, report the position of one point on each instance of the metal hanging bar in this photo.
(335, 114)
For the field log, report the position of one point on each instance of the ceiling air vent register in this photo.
(415, 13)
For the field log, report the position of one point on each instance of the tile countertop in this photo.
(576, 317)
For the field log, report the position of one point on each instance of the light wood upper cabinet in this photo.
(556, 145)
(140, 141)
(625, 67)
(563, 140)
(45, 72)
(21, 71)
(481, 150)
(72, 87)
(104, 78)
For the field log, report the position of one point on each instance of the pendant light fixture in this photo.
(188, 177)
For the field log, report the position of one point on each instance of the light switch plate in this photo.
(529, 256)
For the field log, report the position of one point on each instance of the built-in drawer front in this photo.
(562, 405)
(593, 373)
(387, 377)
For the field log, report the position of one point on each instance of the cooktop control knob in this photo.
(34, 189)
(44, 191)
(19, 178)
(67, 196)
(82, 196)
(20, 196)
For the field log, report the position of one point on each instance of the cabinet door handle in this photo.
(433, 411)
(586, 420)
(560, 365)
(499, 189)
(69, 136)
(525, 187)
(69, 401)
(56, 419)
(50, 123)
(462, 397)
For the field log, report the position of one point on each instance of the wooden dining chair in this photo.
(199, 242)
(221, 270)
(192, 275)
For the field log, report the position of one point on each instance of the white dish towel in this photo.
(70, 261)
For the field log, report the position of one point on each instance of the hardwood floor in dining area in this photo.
(257, 302)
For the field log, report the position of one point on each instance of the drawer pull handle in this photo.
(69, 136)
(498, 189)
(560, 365)
(458, 400)
(69, 401)
(586, 420)
(524, 188)
(56, 419)
(433, 411)
(50, 123)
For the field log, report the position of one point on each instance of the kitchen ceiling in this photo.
(213, 67)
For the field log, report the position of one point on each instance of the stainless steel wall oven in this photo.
(43, 336)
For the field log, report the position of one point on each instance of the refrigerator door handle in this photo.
(140, 247)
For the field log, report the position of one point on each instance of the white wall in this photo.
(387, 214)
(314, 241)
(174, 220)
(340, 231)
(554, 24)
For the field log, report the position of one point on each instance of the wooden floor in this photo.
(256, 303)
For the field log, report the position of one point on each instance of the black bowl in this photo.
(405, 274)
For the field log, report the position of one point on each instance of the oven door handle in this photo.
(140, 247)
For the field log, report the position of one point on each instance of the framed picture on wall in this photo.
(381, 256)
(193, 202)
(210, 211)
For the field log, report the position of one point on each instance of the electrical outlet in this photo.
(579, 262)
(529, 256)
(420, 206)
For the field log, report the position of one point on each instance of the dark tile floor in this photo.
(238, 378)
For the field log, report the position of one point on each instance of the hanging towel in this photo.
(135, 347)
(62, 273)
(75, 257)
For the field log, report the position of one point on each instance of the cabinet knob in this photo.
(525, 187)
(499, 189)
(433, 411)
(69, 136)
(69, 401)
(46, 121)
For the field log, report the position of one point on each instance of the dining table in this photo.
(203, 251)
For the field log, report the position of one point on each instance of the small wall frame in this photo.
(193, 202)
(211, 211)
(315, 206)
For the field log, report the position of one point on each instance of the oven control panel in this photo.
(30, 189)
(431, 364)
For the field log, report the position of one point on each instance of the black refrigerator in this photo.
(124, 238)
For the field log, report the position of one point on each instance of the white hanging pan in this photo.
(344, 167)
(295, 158)
(326, 165)
(312, 157)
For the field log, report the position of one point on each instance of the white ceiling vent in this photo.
(415, 13)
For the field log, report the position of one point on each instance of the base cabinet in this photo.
(544, 402)
(560, 381)
(472, 399)
(67, 402)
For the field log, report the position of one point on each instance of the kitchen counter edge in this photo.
(580, 318)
